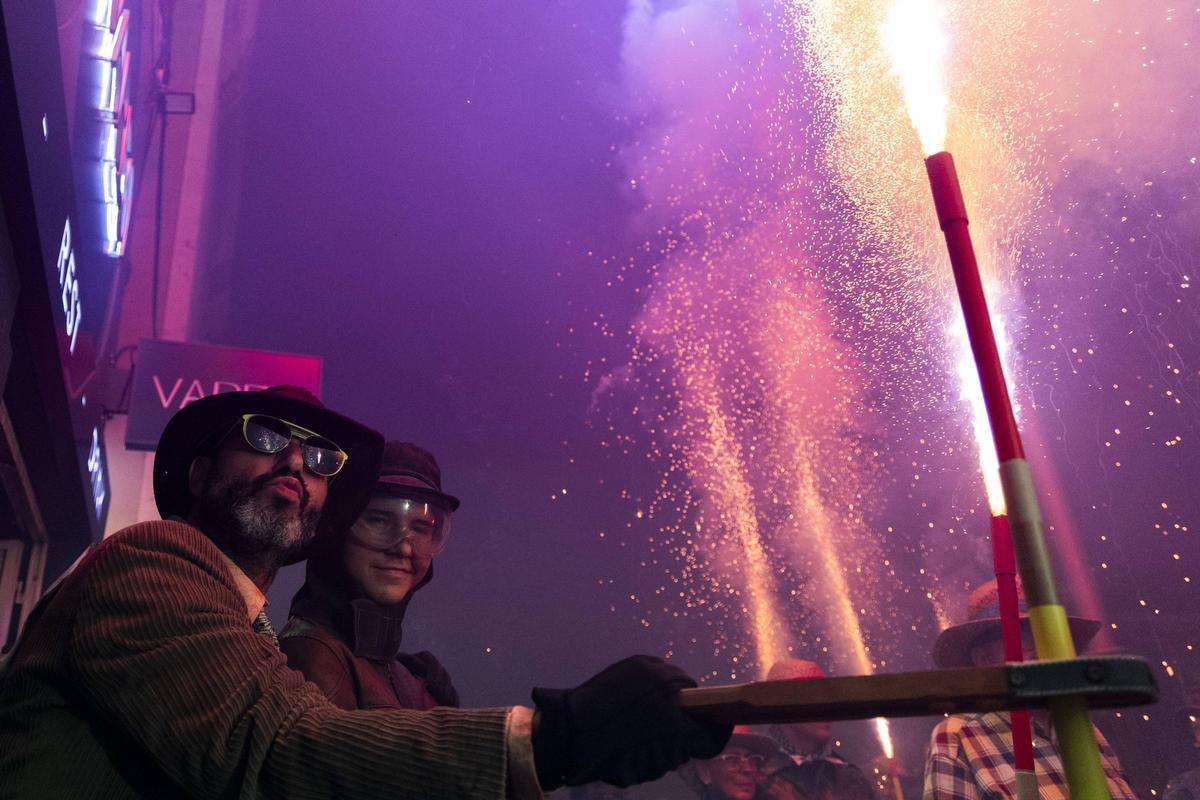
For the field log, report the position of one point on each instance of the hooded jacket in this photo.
(350, 646)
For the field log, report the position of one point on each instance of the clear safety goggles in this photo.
(384, 525)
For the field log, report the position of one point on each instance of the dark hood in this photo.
(330, 598)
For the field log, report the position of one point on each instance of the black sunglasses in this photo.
(272, 435)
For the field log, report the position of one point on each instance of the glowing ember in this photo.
(968, 377)
(884, 732)
(914, 37)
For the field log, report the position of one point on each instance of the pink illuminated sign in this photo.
(170, 375)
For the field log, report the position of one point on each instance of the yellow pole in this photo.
(1051, 633)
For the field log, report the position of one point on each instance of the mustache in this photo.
(261, 482)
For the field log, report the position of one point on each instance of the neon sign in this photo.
(99, 479)
(116, 170)
(68, 286)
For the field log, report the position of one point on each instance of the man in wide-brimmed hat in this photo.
(150, 669)
(738, 772)
(971, 755)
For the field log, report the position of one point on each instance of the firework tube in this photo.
(1010, 629)
(1051, 635)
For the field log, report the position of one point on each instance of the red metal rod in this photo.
(1006, 585)
(1010, 629)
(952, 215)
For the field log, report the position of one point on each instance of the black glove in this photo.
(623, 726)
(426, 666)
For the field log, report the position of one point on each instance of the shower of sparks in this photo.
(800, 373)
(968, 378)
(869, 58)
(739, 356)
(718, 453)
(794, 270)
(914, 37)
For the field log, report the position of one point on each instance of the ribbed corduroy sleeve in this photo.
(161, 646)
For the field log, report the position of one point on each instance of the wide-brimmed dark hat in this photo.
(953, 645)
(410, 469)
(196, 428)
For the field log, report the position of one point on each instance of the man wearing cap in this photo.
(807, 766)
(346, 621)
(971, 755)
(738, 772)
(150, 671)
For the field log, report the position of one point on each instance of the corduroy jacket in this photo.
(142, 677)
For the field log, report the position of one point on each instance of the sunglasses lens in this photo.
(323, 457)
(266, 434)
(270, 435)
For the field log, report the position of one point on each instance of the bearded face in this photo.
(261, 509)
(251, 518)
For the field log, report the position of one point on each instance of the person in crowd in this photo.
(346, 621)
(738, 772)
(1187, 785)
(971, 755)
(150, 670)
(807, 765)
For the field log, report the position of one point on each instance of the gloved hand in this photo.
(623, 726)
(426, 666)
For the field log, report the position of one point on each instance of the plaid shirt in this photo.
(971, 758)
